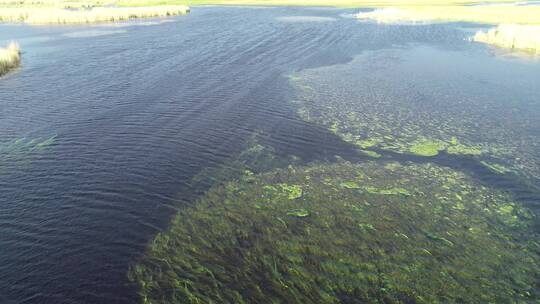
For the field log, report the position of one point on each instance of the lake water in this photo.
(104, 127)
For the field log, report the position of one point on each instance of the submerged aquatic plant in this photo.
(373, 126)
(497, 168)
(341, 241)
(10, 58)
(22, 147)
(256, 157)
(387, 117)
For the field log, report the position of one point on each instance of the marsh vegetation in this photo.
(512, 36)
(518, 26)
(10, 58)
(47, 15)
(476, 14)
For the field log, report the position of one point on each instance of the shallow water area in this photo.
(401, 99)
(104, 138)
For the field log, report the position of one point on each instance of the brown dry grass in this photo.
(10, 58)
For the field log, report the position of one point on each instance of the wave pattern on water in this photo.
(135, 117)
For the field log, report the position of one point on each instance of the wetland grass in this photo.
(52, 15)
(10, 58)
(518, 26)
(477, 14)
(512, 36)
(331, 3)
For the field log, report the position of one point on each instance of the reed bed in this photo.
(10, 58)
(332, 3)
(338, 3)
(513, 36)
(56, 3)
(51, 15)
(478, 14)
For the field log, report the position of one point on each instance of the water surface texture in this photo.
(103, 127)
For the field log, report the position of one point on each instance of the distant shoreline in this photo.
(47, 13)
(517, 26)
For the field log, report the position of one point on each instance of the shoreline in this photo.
(515, 27)
(55, 15)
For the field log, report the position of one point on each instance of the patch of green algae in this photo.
(436, 236)
(389, 191)
(427, 148)
(292, 191)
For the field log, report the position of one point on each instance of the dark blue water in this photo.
(103, 128)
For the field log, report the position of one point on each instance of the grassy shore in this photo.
(478, 14)
(52, 15)
(10, 58)
(332, 3)
(522, 37)
(518, 27)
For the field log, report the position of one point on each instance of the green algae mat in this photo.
(345, 233)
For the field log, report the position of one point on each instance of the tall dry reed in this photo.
(10, 58)
(93, 15)
(495, 15)
(513, 36)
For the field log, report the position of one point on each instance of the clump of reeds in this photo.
(513, 36)
(93, 15)
(10, 58)
(454, 13)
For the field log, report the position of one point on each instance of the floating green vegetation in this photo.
(463, 150)
(292, 191)
(428, 148)
(369, 153)
(389, 191)
(439, 237)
